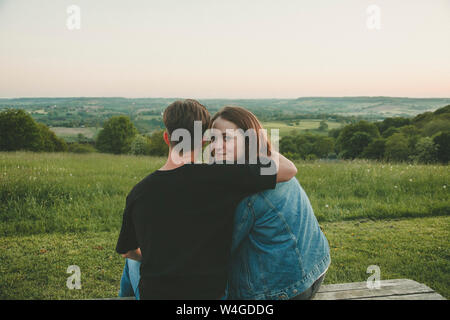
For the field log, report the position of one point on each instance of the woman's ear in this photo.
(166, 138)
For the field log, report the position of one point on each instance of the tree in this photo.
(116, 135)
(442, 141)
(442, 110)
(397, 148)
(81, 138)
(334, 132)
(412, 133)
(140, 145)
(434, 126)
(49, 141)
(426, 151)
(287, 145)
(375, 149)
(323, 146)
(323, 126)
(18, 131)
(358, 141)
(158, 146)
(355, 137)
(395, 122)
(389, 132)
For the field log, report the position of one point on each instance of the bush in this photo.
(442, 141)
(140, 145)
(397, 148)
(49, 142)
(375, 149)
(158, 146)
(426, 151)
(389, 132)
(81, 148)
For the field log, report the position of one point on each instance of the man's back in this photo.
(182, 221)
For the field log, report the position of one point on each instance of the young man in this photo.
(178, 221)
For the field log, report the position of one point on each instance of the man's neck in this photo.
(171, 164)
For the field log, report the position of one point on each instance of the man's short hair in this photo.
(181, 114)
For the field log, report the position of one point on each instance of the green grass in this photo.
(310, 125)
(416, 249)
(71, 134)
(61, 209)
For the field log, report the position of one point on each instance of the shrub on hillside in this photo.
(140, 145)
(81, 148)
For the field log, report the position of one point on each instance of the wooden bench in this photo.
(398, 289)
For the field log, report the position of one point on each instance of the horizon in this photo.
(215, 98)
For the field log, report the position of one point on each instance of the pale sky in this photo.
(224, 49)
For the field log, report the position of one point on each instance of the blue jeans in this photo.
(129, 284)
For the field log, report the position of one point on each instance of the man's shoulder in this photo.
(140, 187)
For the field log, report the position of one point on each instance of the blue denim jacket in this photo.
(278, 249)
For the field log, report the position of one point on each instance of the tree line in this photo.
(424, 138)
(19, 131)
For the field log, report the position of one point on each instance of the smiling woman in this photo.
(243, 136)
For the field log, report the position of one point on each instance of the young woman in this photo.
(278, 249)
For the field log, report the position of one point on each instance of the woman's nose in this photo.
(217, 146)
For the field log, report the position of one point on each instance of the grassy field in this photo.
(70, 134)
(303, 125)
(60, 209)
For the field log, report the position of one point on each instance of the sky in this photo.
(225, 49)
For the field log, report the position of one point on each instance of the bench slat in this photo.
(389, 289)
(418, 296)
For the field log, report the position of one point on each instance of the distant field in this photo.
(148, 117)
(71, 133)
(60, 209)
(303, 125)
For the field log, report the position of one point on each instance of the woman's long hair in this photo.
(245, 120)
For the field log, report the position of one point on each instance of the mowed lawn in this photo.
(61, 209)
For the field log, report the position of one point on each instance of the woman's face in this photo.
(233, 145)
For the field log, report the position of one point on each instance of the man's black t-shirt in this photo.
(182, 220)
